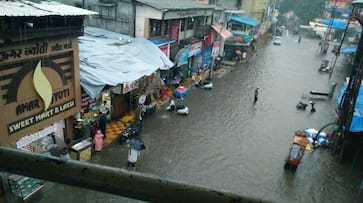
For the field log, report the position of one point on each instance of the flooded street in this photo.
(228, 143)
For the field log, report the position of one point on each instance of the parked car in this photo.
(277, 40)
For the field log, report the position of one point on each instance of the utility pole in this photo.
(337, 53)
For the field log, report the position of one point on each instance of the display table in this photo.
(81, 151)
(25, 187)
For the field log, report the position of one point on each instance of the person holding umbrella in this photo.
(135, 147)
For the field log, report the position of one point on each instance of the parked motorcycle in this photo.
(204, 84)
(324, 65)
(129, 133)
(179, 109)
(149, 108)
(301, 105)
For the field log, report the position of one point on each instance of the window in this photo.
(154, 28)
(239, 4)
(158, 28)
(104, 10)
(182, 26)
(190, 23)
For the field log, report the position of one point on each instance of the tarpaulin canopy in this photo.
(245, 20)
(349, 50)
(335, 23)
(220, 29)
(109, 58)
(357, 120)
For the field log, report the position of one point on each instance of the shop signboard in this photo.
(174, 30)
(39, 86)
(215, 50)
(87, 101)
(165, 49)
(35, 136)
(129, 86)
(196, 48)
(187, 13)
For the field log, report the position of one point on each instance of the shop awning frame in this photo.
(220, 29)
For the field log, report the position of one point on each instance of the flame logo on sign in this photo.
(42, 86)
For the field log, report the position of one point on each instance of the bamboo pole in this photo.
(110, 180)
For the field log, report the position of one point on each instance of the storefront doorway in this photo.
(119, 106)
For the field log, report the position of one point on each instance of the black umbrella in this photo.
(137, 144)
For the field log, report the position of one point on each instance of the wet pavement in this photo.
(228, 143)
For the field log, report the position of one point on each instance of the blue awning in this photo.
(182, 56)
(245, 20)
(349, 50)
(335, 23)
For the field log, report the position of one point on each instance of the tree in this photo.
(306, 10)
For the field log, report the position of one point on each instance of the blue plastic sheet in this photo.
(349, 50)
(335, 23)
(357, 120)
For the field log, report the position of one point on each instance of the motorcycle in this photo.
(301, 105)
(129, 133)
(179, 109)
(204, 84)
(324, 66)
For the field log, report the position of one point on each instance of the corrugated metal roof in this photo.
(43, 8)
(175, 4)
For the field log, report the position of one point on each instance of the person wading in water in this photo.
(255, 96)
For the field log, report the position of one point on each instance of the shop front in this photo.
(232, 46)
(123, 101)
(181, 69)
(196, 57)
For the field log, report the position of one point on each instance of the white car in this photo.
(278, 40)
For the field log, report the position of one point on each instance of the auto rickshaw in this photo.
(296, 151)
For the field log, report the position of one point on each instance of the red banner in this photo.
(174, 30)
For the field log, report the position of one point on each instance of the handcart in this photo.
(296, 151)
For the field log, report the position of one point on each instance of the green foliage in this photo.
(306, 10)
